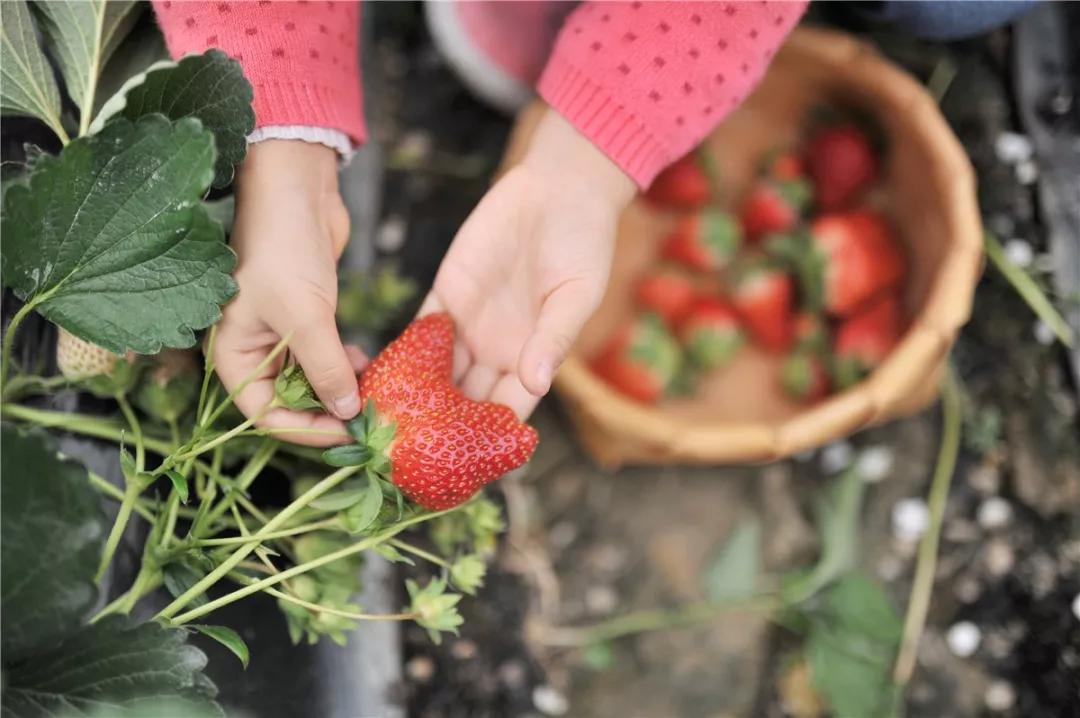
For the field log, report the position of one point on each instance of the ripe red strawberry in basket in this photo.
(844, 261)
(667, 292)
(642, 360)
(774, 206)
(436, 445)
(764, 297)
(711, 333)
(684, 185)
(805, 376)
(706, 241)
(842, 162)
(863, 340)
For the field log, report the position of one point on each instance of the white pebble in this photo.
(994, 513)
(601, 600)
(999, 557)
(1027, 172)
(963, 639)
(1000, 696)
(1043, 333)
(549, 701)
(836, 457)
(1020, 252)
(875, 463)
(910, 518)
(390, 236)
(1012, 147)
(1076, 607)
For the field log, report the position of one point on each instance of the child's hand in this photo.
(530, 265)
(290, 229)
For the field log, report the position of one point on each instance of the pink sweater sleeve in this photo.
(302, 58)
(646, 81)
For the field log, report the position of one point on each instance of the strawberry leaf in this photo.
(110, 240)
(361, 514)
(228, 638)
(341, 499)
(179, 483)
(210, 87)
(733, 574)
(348, 455)
(29, 87)
(293, 390)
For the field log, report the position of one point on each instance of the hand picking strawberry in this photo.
(436, 445)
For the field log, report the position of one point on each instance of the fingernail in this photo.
(347, 407)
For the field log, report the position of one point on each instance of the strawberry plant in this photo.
(112, 240)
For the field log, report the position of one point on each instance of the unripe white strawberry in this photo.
(78, 359)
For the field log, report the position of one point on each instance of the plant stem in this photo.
(136, 430)
(1028, 290)
(106, 487)
(265, 583)
(9, 339)
(133, 595)
(655, 619)
(251, 376)
(241, 553)
(417, 551)
(283, 533)
(318, 608)
(919, 603)
(244, 479)
(85, 424)
(172, 510)
(127, 504)
(203, 448)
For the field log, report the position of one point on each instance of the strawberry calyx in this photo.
(796, 252)
(371, 445)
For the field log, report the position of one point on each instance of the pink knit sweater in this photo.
(645, 81)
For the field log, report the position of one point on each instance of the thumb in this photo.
(562, 315)
(318, 348)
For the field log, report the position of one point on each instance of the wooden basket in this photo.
(741, 415)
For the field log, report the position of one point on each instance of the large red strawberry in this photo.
(844, 261)
(711, 333)
(706, 241)
(641, 360)
(863, 340)
(685, 185)
(842, 162)
(773, 206)
(763, 295)
(667, 292)
(441, 446)
(805, 376)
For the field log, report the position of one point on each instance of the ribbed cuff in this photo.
(301, 103)
(591, 109)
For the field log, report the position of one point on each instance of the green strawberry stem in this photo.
(106, 487)
(926, 563)
(362, 545)
(1029, 291)
(419, 552)
(9, 339)
(658, 619)
(243, 481)
(329, 523)
(270, 527)
(319, 608)
(133, 486)
(85, 424)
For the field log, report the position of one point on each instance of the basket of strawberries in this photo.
(801, 275)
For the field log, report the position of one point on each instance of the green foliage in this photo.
(210, 87)
(361, 514)
(293, 390)
(28, 86)
(110, 242)
(51, 535)
(228, 638)
(467, 573)
(436, 610)
(81, 35)
(733, 574)
(332, 585)
(474, 527)
(371, 301)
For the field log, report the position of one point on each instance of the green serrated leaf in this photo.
(110, 240)
(733, 575)
(52, 530)
(392, 554)
(179, 483)
(210, 86)
(363, 513)
(347, 455)
(28, 86)
(358, 426)
(228, 638)
(81, 35)
(111, 668)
